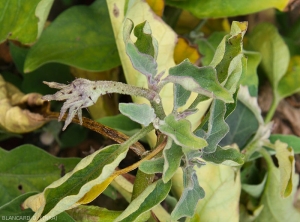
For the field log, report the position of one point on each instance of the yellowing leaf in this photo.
(139, 11)
(13, 117)
(70, 190)
(277, 208)
(286, 161)
(220, 8)
(184, 50)
(157, 6)
(97, 190)
(222, 192)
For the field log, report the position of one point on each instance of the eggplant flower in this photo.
(81, 93)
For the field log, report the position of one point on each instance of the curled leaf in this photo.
(14, 114)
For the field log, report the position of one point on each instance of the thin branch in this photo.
(101, 129)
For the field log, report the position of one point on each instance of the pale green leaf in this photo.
(191, 195)
(68, 191)
(249, 77)
(216, 128)
(149, 198)
(222, 193)
(29, 168)
(255, 190)
(275, 54)
(152, 166)
(225, 155)
(180, 132)
(141, 57)
(277, 208)
(140, 113)
(291, 140)
(219, 8)
(289, 83)
(201, 80)
(79, 40)
(172, 156)
(23, 21)
(181, 96)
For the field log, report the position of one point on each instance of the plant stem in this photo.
(123, 88)
(101, 129)
(272, 109)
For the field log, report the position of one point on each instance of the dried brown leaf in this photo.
(20, 113)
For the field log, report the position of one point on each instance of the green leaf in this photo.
(150, 197)
(277, 208)
(275, 54)
(29, 168)
(289, 84)
(201, 80)
(249, 77)
(84, 213)
(242, 124)
(255, 190)
(152, 166)
(226, 156)
(172, 156)
(180, 132)
(219, 8)
(23, 21)
(142, 53)
(208, 47)
(79, 40)
(192, 193)
(73, 135)
(181, 96)
(228, 56)
(49, 72)
(13, 207)
(291, 140)
(216, 127)
(145, 42)
(121, 123)
(140, 113)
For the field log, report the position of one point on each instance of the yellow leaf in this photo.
(286, 161)
(106, 105)
(14, 116)
(184, 50)
(216, 25)
(186, 22)
(157, 6)
(97, 190)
